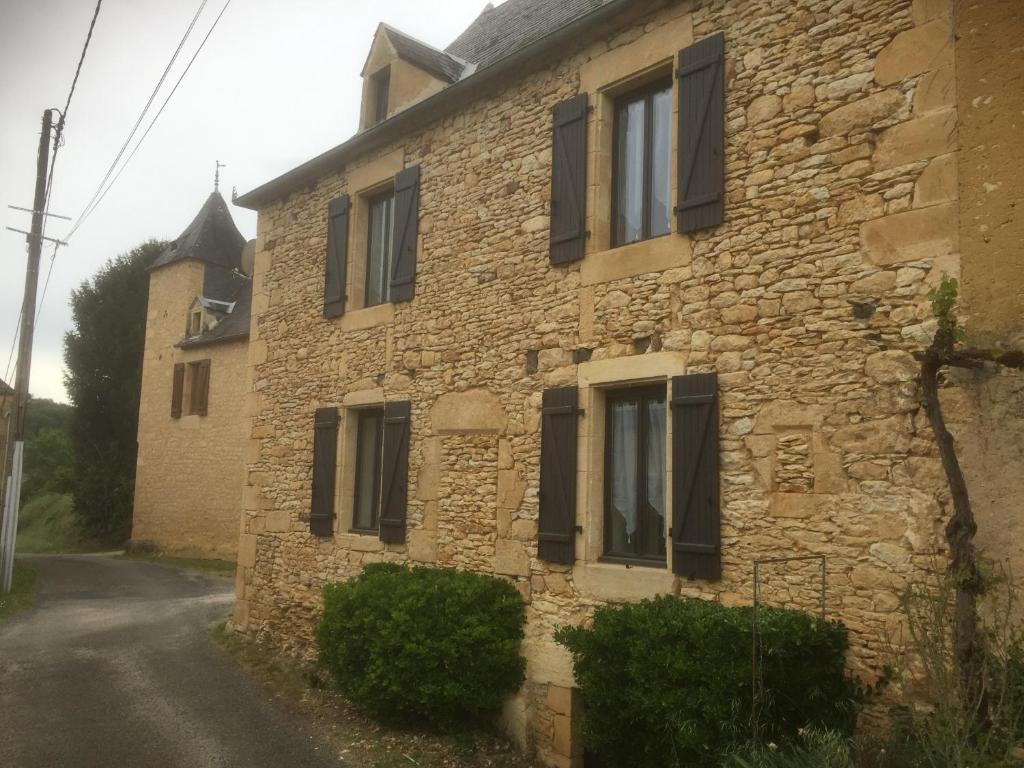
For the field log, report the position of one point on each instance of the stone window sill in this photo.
(613, 581)
(654, 255)
(368, 317)
(359, 542)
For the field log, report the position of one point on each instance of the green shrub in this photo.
(667, 682)
(937, 721)
(426, 645)
(814, 749)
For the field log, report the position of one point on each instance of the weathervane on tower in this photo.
(216, 175)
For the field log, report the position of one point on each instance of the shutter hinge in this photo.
(587, 234)
(590, 109)
(579, 529)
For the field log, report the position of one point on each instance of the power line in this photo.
(78, 69)
(14, 344)
(57, 141)
(153, 122)
(94, 200)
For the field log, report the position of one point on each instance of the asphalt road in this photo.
(114, 668)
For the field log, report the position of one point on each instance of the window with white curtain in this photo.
(369, 438)
(642, 165)
(635, 469)
(379, 244)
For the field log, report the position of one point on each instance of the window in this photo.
(381, 85)
(378, 249)
(635, 466)
(196, 325)
(369, 441)
(642, 185)
(198, 387)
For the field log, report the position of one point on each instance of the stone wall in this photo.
(986, 409)
(190, 470)
(840, 217)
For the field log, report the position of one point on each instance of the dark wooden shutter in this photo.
(557, 525)
(407, 229)
(202, 384)
(696, 538)
(395, 472)
(177, 390)
(701, 134)
(337, 256)
(569, 181)
(325, 451)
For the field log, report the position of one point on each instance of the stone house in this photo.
(191, 413)
(616, 298)
(6, 405)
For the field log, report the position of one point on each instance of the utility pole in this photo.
(9, 531)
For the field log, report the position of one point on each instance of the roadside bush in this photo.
(667, 682)
(938, 725)
(814, 749)
(427, 645)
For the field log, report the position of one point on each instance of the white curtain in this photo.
(623, 428)
(656, 458)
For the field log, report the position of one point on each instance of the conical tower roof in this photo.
(211, 238)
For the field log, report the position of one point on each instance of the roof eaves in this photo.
(206, 341)
(335, 158)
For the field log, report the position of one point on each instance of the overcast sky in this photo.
(277, 83)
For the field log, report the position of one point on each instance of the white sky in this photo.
(277, 83)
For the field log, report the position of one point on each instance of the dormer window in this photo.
(416, 69)
(381, 87)
(195, 326)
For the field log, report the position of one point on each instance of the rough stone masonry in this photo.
(843, 209)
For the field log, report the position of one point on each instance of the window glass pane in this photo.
(629, 173)
(621, 477)
(378, 256)
(367, 497)
(661, 154)
(655, 463)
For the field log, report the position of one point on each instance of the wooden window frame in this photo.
(372, 199)
(642, 394)
(192, 370)
(645, 92)
(378, 467)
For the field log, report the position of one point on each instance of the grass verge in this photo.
(207, 567)
(47, 524)
(23, 590)
(361, 742)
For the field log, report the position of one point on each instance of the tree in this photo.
(945, 350)
(43, 414)
(103, 355)
(49, 464)
(49, 461)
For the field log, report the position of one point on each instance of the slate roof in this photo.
(211, 238)
(230, 326)
(514, 24)
(426, 57)
(501, 40)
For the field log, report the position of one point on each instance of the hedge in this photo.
(434, 646)
(667, 682)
